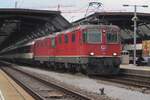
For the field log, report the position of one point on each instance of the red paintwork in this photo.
(78, 48)
(42, 47)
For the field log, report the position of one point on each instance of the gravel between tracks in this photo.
(92, 85)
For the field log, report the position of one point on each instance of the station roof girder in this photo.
(17, 24)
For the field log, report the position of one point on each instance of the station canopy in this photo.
(123, 20)
(20, 25)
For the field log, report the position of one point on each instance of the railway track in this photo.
(127, 79)
(42, 89)
(136, 80)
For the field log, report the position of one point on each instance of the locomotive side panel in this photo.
(69, 49)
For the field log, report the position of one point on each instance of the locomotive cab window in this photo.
(93, 35)
(112, 37)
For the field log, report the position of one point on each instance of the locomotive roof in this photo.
(75, 28)
(83, 27)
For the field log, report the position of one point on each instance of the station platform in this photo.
(131, 66)
(10, 90)
(136, 70)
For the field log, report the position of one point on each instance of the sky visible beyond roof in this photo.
(75, 9)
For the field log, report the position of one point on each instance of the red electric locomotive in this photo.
(94, 49)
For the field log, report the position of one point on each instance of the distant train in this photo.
(92, 49)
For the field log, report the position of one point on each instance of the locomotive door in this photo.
(103, 36)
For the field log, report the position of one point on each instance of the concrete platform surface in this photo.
(10, 90)
(131, 66)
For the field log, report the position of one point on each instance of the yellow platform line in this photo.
(1, 96)
(20, 94)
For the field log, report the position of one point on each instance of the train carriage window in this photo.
(66, 38)
(73, 37)
(50, 40)
(46, 42)
(40, 44)
(37, 44)
(53, 42)
(84, 35)
(27, 49)
(56, 40)
(59, 39)
(24, 49)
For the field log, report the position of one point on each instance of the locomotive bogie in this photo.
(88, 65)
(103, 66)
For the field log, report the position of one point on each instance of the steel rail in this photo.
(129, 80)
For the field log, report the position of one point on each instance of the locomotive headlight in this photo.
(92, 54)
(114, 54)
